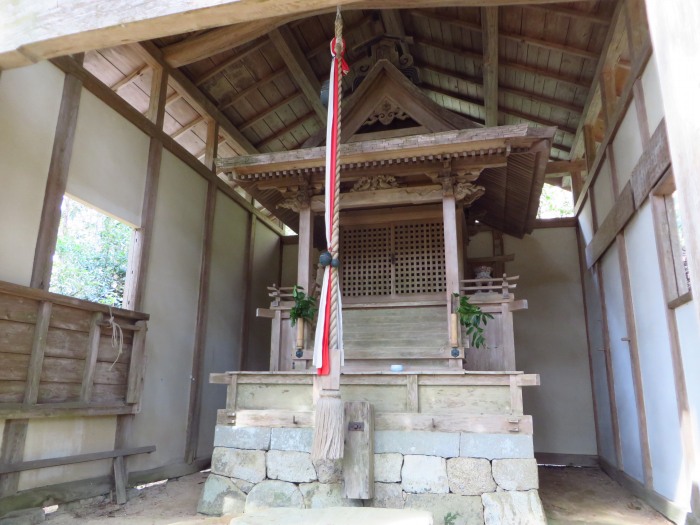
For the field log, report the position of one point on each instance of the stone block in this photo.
(297, 439)
(450, 509)
(513, 508)
(329, 470)
(221, 495)
(387, 467)
(323, 495)
(244, 485)
(515, 474)
(248, 465)
(249, 438)
(421, 474)
(387, 496)
(290, 466)
(443, 444)
(273, 493)
(496, 446)
(470, 476)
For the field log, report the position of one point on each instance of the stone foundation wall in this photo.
(461, 478)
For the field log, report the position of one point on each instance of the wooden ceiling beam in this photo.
(41, 30)
(172, 98)
(489, 24)
(538, 120)
(348, 33)
(233, 99)
(218, 40)
(269, 111)
(151, 54)
(211, 73)
(513, 37)
(477, 57)
(302, 73)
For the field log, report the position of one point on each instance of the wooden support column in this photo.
(305, 264)
(636, 364)
(56, 183)
(247, 292)
(449, 216)
(197, 381)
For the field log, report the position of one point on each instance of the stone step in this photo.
(336, 516)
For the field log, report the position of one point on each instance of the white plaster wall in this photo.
(585, 221)
(628, 420)
(225, 311)
(653, 338)
(54, 438)
(627, 146)
(266, 271)
(550, 340)
(108, 167)
(606, 436)
(653, 100)
(172, 289)
(30, 98)
(480, 245)
(603, 191)
(689, 335)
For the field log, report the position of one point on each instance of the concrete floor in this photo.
(588, 496)
(570, 497)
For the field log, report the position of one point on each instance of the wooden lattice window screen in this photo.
(419, 254)
(393, 260)
(366, 256)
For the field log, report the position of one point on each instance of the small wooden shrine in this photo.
(413, 177)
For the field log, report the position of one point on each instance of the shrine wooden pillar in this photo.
(305, 279)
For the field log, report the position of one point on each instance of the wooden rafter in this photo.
(489, 24)
(571, 13)
(348, 32)
(196, 98)
(302, 73)
(477, 57)
(184, 129)
(290, 127)
(130, 77)
(252, 88)
(218, 40)
(73, 26)
(454, 75)
(513, 37)
(269, 111)
(211, 73)
(393, 25)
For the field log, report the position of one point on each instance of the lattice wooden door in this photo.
(392, 261)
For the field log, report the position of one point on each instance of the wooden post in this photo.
(449, 215)
(247, 292)
(304, 262)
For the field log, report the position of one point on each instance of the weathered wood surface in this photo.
(445, 143)
(58, 357)
(358, 458)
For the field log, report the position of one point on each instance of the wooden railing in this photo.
(58, 359)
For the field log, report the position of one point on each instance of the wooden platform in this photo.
(450, 401)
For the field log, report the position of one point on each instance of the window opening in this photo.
(92, 254)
